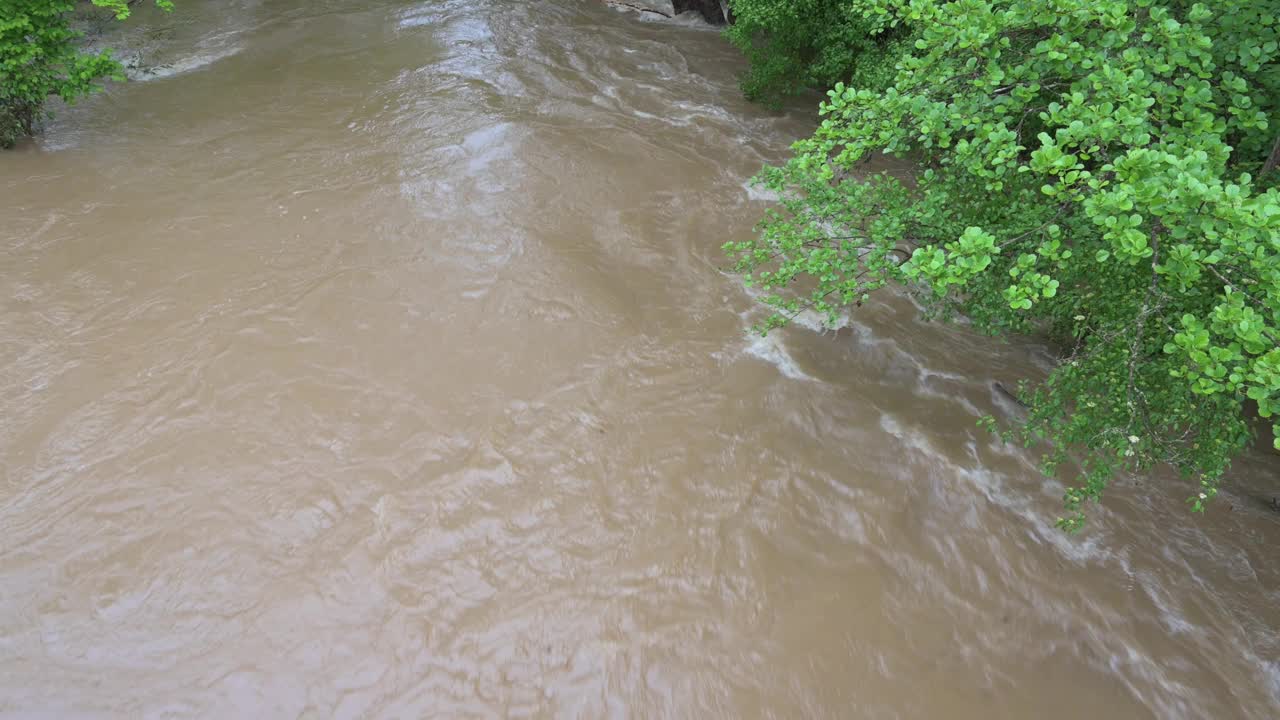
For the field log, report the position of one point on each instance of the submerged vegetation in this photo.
(40, 58)
(1102, 172)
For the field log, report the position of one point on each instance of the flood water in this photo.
(375, 359)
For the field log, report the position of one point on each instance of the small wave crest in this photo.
(758, 193)
(139, 72)
(994, 486)
(771, 349)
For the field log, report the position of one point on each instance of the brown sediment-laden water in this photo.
(377, 359)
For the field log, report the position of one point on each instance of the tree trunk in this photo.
(1272, 161)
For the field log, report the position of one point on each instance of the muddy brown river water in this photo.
(374, 359)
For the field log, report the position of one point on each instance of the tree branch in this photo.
(1273, 160)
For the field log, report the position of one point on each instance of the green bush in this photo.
(1088, 169)
(40, 58)
(795, 45)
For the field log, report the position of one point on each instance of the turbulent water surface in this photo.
(376, 359)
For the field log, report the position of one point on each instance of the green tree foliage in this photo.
(1089, 170)
(40, 58)
(798, 44)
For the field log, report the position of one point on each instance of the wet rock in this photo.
(665, 8)
(1009, 395)
(714, 11)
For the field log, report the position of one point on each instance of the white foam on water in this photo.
(810, 319)
(771, 349)
(866, 335)
(820, 322)
(693, 19)
(924, 387)
(758, 193)
(1013, 452)
(1137, 670)
(182, 65)
(1175, 622)
(994, 487)
(928, 372)
(421, 16)
(1271, 674)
